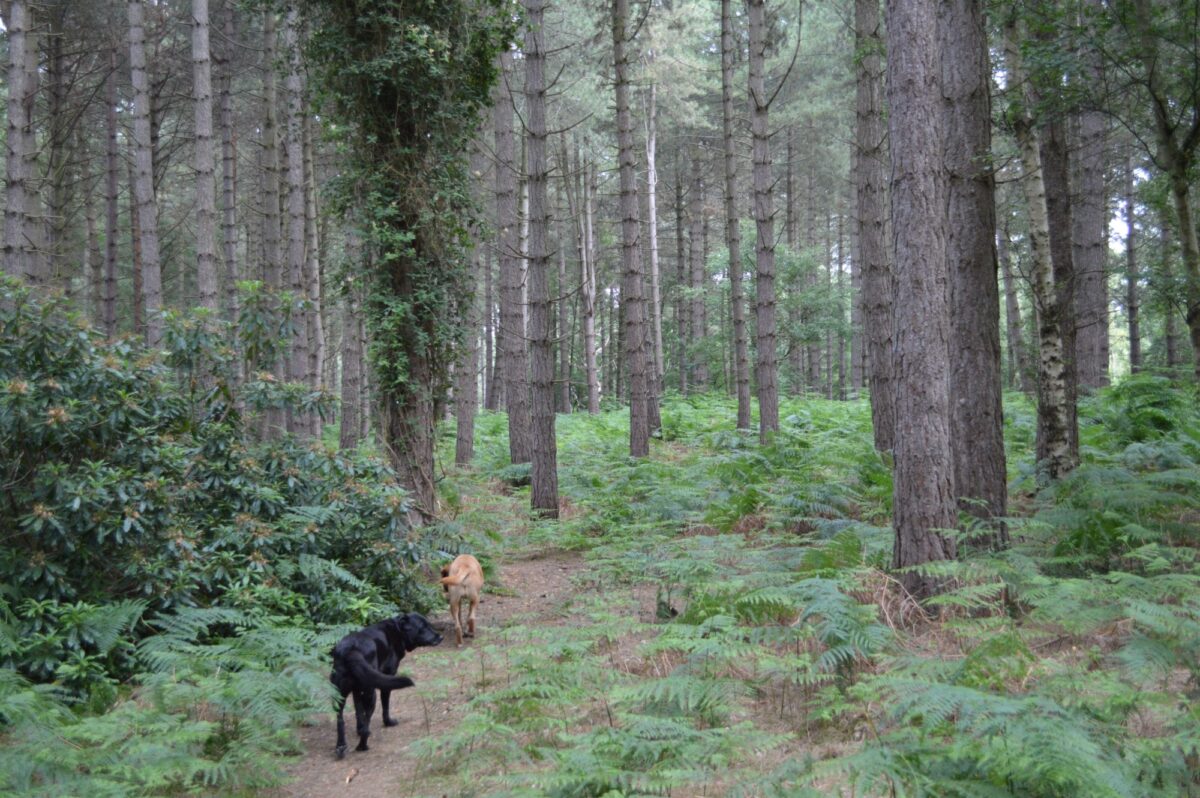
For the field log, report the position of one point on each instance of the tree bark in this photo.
(682, 281)
(296, 235)
(1132, 300)
(513, 363)
(111, 196)
(1019, 377)
(143, 183)
(637, 344)
(976, 419)
(22, 257)
(589, 291)
(652, 225)
(229, 219)
(350, 431)
(733, 234)
(312, 272)
(924, 502)
(1089, 218)
(696, 316)
(767, 369)
(877, 305)
(544, 474)
(275, 419)
(206, 196)
(1170, 329)
(1054, 450)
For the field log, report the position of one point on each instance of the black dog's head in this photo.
(416, 631)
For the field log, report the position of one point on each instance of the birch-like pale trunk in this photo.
(1053, 417)
(1019, 376)
(203, 161)
(143, 182)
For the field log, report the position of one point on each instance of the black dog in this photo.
(366, 661)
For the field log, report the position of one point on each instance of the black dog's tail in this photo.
(367, 676)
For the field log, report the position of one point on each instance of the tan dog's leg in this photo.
(471, 616)
(455, 606)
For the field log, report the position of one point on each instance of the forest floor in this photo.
(534, 589)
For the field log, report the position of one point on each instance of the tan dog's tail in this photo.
(456, 579)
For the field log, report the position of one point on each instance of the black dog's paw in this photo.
(391, 722)
(406, 682)
(340, 751)
(362, 746)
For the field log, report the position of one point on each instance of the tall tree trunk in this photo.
(841, 310)
(275, 419)
(682, 280)
(297, 237)
(1132, 301)
(513, 364)
(976, 418)
(352, 352)
(544, 474)
(143, 184)
(111, 196)
(563, 328)
(312, 271)
(733, 235)
(22, 257)
(1054, 449)
(877, 302)
(1056, 177)
(1089, 219)
(696, 315)
(637, 344)
(229, 235)
(491, 395)
(135, 256)
(589, 291)
(652, 226)
(1019, 377)
(466, 369)
(206, 197)
(767, 369)
(924, 464)
(1170, 329)
(57, 144)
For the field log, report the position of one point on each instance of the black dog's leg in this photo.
(340, 704)
(384, 697)
(364, 708)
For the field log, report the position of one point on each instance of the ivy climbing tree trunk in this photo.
(637, 340)
(733, 235)
(544, 473)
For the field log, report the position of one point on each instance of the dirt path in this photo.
(533, 591)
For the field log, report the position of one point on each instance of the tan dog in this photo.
(462, 578)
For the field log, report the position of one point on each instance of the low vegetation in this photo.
(172, 585)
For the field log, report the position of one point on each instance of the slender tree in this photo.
(733, 235)
(870, 168)
(637, 344)
(760, 105)
(544, 473)
(1132, 299)
(143, 182)
(1054, 439)
(514, 364)
(204, 164)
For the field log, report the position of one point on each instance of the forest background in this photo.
(883, 343)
